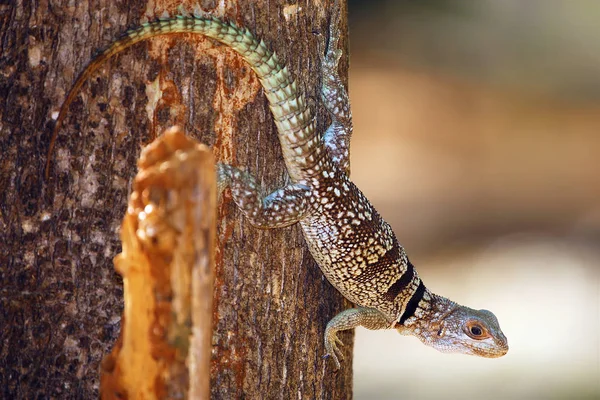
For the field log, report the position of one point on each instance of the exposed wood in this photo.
(167, 265)
(60, 300)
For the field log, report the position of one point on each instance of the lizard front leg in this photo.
(336, 101)
(370, 318)
(281, 208)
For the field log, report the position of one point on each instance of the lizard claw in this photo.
(335, 360)
(331, 345)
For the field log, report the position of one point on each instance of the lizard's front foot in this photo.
(331, 345)
(370, 318)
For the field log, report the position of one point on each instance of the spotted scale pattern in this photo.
(356, 249)
(281, 208)
(335, 98)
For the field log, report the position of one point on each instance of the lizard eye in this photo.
(476, 331)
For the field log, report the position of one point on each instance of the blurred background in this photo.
(477, 137)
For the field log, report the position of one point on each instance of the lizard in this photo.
(354, 247)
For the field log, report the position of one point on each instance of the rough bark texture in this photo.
(60, 299)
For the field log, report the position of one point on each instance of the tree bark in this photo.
(60, 298)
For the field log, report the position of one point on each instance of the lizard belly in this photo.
(355, 248)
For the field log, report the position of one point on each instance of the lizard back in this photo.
(356, 249)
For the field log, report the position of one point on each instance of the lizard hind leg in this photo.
(281, 208)
(336, 100)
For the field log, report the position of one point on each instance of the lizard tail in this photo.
(294, 119)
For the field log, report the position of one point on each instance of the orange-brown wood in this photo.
(167, 265)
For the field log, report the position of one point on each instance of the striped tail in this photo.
(302, 148)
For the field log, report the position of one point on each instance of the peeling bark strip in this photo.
(60, 300)
(167, 265)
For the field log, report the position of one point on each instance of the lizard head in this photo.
(452, 328)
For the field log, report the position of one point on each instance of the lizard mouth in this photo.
(491, 352)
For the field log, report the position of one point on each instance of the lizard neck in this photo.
(440, 307)
(429, 314)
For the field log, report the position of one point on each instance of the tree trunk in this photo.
(60, 298)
